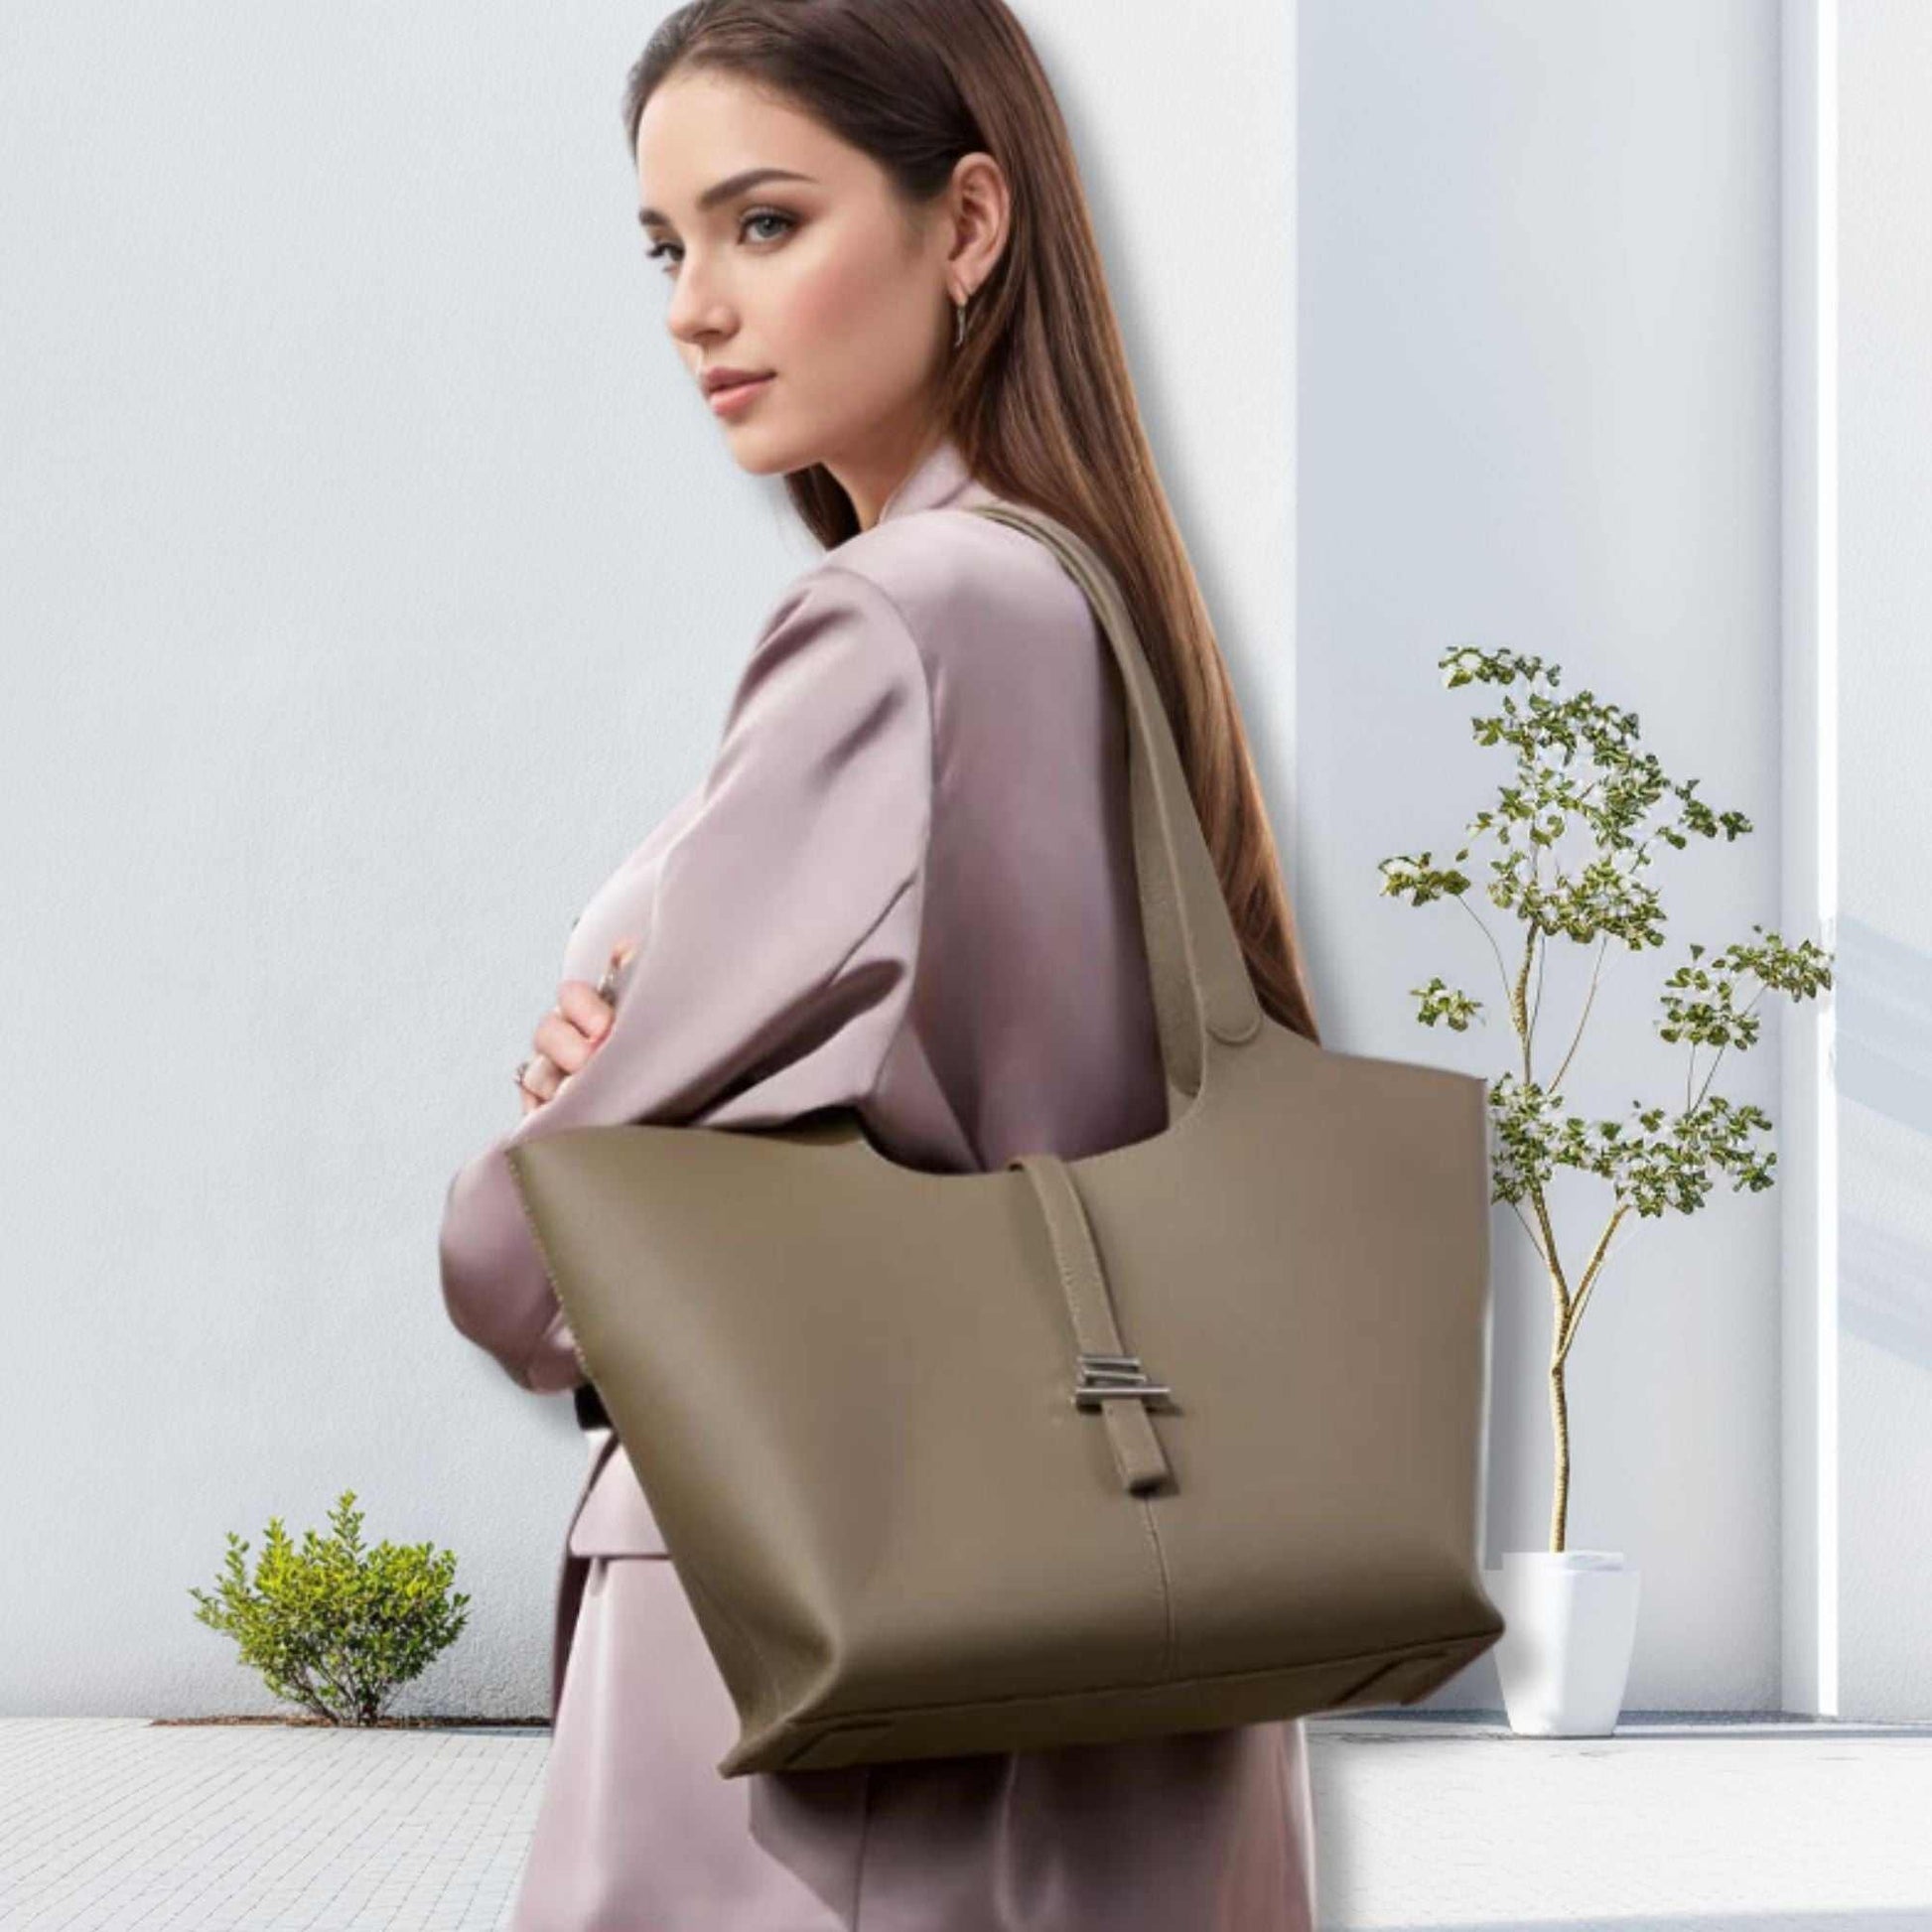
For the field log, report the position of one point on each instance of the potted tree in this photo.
(1574, 832)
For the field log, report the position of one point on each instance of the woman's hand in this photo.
(569, 1034)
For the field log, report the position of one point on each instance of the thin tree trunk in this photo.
(1560, 1423)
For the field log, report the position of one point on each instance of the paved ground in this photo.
(1688, 1826)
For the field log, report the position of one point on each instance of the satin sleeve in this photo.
(779, 959)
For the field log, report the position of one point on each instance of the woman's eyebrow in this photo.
(723, 191)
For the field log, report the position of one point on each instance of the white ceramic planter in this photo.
(1564, 1656)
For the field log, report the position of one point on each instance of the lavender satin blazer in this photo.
(905, 883)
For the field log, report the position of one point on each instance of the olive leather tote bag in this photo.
(1182, 1434)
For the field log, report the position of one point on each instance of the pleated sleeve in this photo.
(777, 959)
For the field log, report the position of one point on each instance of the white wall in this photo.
(369, 581)
(1882, 1579)
(1538, 406)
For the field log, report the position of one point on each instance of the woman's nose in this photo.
(697, 312)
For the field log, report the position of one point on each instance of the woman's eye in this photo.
(666, 251)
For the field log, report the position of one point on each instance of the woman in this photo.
(906, 885)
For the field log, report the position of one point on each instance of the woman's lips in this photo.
(737, 394)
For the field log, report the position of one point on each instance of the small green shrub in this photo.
(332, 1627)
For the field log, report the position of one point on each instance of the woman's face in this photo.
(815, 278)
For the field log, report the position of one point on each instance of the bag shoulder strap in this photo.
(1200, 972)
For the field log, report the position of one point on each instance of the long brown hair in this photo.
(1038, 396)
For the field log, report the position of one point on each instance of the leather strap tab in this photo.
(1105, 1363)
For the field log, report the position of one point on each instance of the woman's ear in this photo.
(980, 209)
